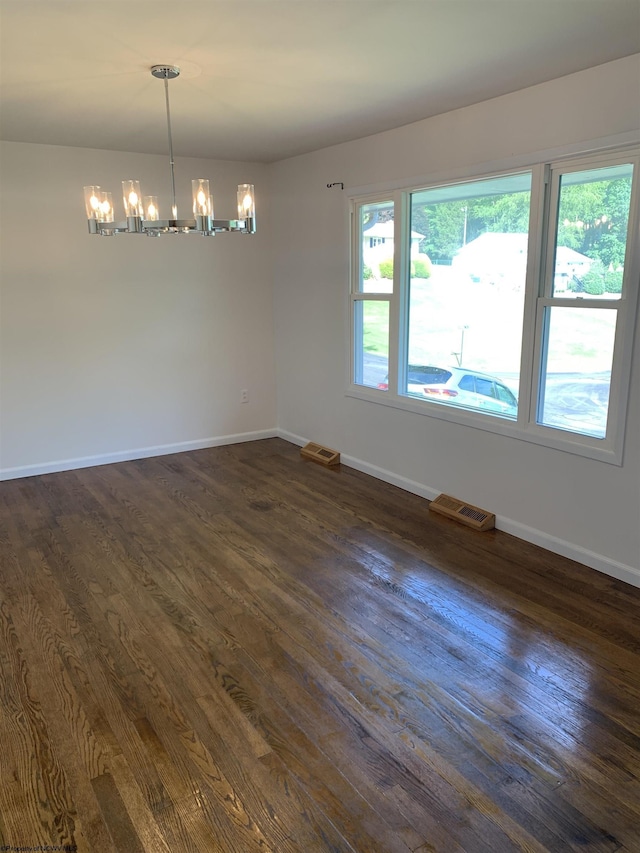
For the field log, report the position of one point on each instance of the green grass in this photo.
(581, 340)
(581, 350)
(375, 327)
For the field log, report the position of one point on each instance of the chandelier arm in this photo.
(200, 225)
(174, 208)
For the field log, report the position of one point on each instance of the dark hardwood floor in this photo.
(238, 650)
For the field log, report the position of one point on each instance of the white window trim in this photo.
(525, 428)
(355, 294)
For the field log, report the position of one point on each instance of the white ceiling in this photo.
(266, 79)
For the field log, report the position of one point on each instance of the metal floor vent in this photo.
(465, 513)
(318, 453)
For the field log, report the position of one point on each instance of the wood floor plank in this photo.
(237, 650)
(41, 808)
(119, 824)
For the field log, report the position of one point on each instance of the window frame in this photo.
(545, 184)
(361, 295)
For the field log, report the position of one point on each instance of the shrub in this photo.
(367, 273)
(420, 268)
(594, 284)
(386, 268)
(613, 281)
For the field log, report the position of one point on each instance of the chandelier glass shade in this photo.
(142, 213)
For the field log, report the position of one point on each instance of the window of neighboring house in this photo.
(505, 302)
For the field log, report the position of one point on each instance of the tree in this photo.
(507, 214)
(593, 219)
(448, 225)
(442, 226)
(613, 243)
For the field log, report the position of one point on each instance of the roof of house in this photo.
(385, 230)
(492, 242)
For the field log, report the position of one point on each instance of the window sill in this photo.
(600, 450)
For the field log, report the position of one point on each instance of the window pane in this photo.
(591, 238)
(376, 242)
(371, 336)
(577, 376)
(466, 293)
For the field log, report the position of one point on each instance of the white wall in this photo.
(586, 509)
(125, 346)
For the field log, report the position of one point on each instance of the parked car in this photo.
(472, 389)
(460, 387)
(419, 375)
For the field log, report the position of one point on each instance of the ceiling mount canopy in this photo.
(142, 212)
(165, 72)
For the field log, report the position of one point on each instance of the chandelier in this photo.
(142, 213)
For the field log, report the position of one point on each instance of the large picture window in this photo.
(506, 302)
(466, 292)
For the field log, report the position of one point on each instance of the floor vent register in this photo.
(318, 453)
(465, 513)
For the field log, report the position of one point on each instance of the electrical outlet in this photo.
(244, 396)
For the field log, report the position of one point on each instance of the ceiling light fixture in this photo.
(142, 214)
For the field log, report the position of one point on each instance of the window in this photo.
(505, 302)
(466, 289)
(372, 296)
(578, 311)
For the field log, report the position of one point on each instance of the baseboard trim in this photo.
(593, 560)
(127, 455)
(573, 552)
